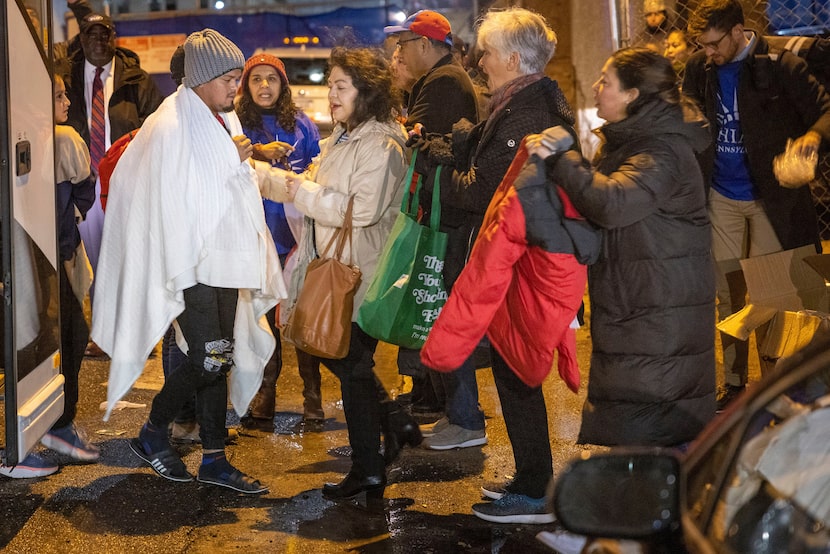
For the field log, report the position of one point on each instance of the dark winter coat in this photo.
(480, 155)
(777, 100)
(441, 97)
(652, 376)
(134, 96)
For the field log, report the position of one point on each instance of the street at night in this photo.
(120, 505)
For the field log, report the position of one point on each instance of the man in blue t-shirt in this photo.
(755, 100)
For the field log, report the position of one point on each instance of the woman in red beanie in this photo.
(286, 137)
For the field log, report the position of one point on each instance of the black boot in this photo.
(309, 369)
(353, 485)
(399, 430)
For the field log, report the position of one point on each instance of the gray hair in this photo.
(518, 30)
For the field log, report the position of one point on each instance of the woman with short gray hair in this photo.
(521, 31)
(517, 45)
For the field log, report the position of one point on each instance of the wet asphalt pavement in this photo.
(120, 505)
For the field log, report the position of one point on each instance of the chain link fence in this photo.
(774, 17)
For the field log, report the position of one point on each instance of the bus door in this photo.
(32, 385)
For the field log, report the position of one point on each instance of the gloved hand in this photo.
(433, 149)
(557, 139)
(416, 136)
(550, 144)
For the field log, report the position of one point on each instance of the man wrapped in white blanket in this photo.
(185, 239)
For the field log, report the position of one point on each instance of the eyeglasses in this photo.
(713, 45)
(400, 43)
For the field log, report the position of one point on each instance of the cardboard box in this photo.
(779, 282)
(789, 332)
(788, 290)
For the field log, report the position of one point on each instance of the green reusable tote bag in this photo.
(407, 291)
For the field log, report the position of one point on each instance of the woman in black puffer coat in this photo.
(652, 377)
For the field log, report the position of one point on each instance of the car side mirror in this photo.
(629, 494)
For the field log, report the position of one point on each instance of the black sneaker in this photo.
(223, 474)
(166, 463)
(495, 489)
(727, 395)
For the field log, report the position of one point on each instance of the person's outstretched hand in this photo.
(276, 150)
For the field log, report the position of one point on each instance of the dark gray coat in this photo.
(652, 292)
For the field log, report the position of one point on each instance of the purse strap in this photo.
(407, 207)
(342, 234)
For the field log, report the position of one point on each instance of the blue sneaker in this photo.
(31, 466)
(71, 442)
(514, 508)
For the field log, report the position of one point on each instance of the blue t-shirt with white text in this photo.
(731, 172)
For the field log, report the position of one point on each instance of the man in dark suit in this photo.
(129, 96)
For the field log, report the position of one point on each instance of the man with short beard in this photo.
(756, 100)
(186, 239)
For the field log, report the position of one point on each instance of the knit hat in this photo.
(426, 23)
(207, 55)
(264, 59)
(652, 6)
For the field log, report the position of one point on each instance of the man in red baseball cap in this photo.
(426, 23)
(442, 95)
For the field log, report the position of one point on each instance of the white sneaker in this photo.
(562, 541)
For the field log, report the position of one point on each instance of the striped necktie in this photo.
(97, 127)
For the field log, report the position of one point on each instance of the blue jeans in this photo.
(461, 389)
(460, 386)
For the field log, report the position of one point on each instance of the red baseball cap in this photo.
(426, 23)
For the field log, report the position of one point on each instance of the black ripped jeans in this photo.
(207, 326)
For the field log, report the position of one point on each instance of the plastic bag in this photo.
(792, 169)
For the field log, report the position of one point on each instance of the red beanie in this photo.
(264, 59)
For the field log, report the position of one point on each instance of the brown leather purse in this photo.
(321, 321)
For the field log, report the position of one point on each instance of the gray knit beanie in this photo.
(207, 55)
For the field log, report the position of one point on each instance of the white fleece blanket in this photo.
(183, 209)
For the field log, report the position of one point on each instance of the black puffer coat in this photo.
(652, 376)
